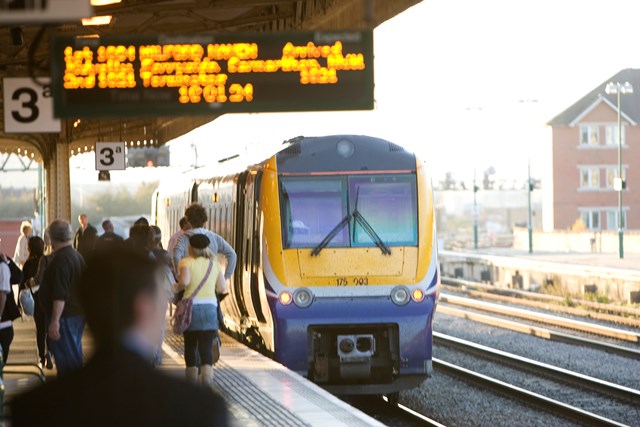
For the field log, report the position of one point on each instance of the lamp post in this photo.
(529, 223)
(619, 184)
(475, 212)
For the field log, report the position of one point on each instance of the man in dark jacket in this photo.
(86, 236)
(109, 236)
(118, 387)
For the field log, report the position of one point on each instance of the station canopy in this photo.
(35, 49)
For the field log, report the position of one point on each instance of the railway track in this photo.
(390, 413)
(590, 309)
(539, 332)
(539, 368)
(566, 323)
(552, 406)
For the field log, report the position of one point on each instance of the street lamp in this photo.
(529, 221)
(475, 212)
(619, 185)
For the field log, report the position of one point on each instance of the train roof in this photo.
(338, 153)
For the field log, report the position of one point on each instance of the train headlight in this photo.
(302, 297)
(285, 298)
(417, 295)
(400, 295)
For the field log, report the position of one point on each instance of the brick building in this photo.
(585, 158)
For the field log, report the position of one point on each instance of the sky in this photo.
(466, 84)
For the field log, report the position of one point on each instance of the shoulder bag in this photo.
(182, 316)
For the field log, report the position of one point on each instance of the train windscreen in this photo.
(315, 209)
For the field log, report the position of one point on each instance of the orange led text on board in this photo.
(197, 70)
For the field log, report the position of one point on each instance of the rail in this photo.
(543, 305)
(609, 308)
(551, 405)
(421, 419)
(539, 368)
(539, 332)
(548, 319)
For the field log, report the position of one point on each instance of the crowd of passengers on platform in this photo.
(121, 289)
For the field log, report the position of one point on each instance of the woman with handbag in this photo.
(201, 278)
(33, 272)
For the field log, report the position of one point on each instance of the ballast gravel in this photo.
(454, 402)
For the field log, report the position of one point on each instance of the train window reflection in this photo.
(311, 207)
(389, 204)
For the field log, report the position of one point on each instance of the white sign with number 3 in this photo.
(110, 156)
(28, 106)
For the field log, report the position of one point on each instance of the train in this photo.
(337, 275)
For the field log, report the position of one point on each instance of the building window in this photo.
(612, 218)
(612, 173)
(591, 219)
(611, 135)
(589, 178)
(589, 135)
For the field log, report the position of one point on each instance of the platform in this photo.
(612, 261)
(570, 273)
(258, 391)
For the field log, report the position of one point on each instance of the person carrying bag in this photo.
(184, 308)
(196, 315)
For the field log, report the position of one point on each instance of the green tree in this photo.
(17, 203)
(114, 202)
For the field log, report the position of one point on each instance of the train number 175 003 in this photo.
(352, 281)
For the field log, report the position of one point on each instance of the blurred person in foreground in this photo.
(124, 303)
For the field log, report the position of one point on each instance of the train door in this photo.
(251, 241)
(239, 242)
(255, 250)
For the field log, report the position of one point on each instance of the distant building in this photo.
(585, 158)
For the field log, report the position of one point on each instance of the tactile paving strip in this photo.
(242, 392)
(311, 395)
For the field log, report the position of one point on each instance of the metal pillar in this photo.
(42, 215)
(58, 187)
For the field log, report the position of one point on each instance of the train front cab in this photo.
(350, 318)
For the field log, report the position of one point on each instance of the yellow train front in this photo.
(337, 272)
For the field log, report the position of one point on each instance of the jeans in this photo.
(199, 343)
(67, 351)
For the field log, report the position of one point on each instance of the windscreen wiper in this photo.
(371, 232)
(329, 237)
(360, 219)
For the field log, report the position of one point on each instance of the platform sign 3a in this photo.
(28, 106)
(110, 156)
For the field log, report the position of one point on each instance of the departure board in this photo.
(156, 75)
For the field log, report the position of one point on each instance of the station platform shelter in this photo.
(25, 52)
